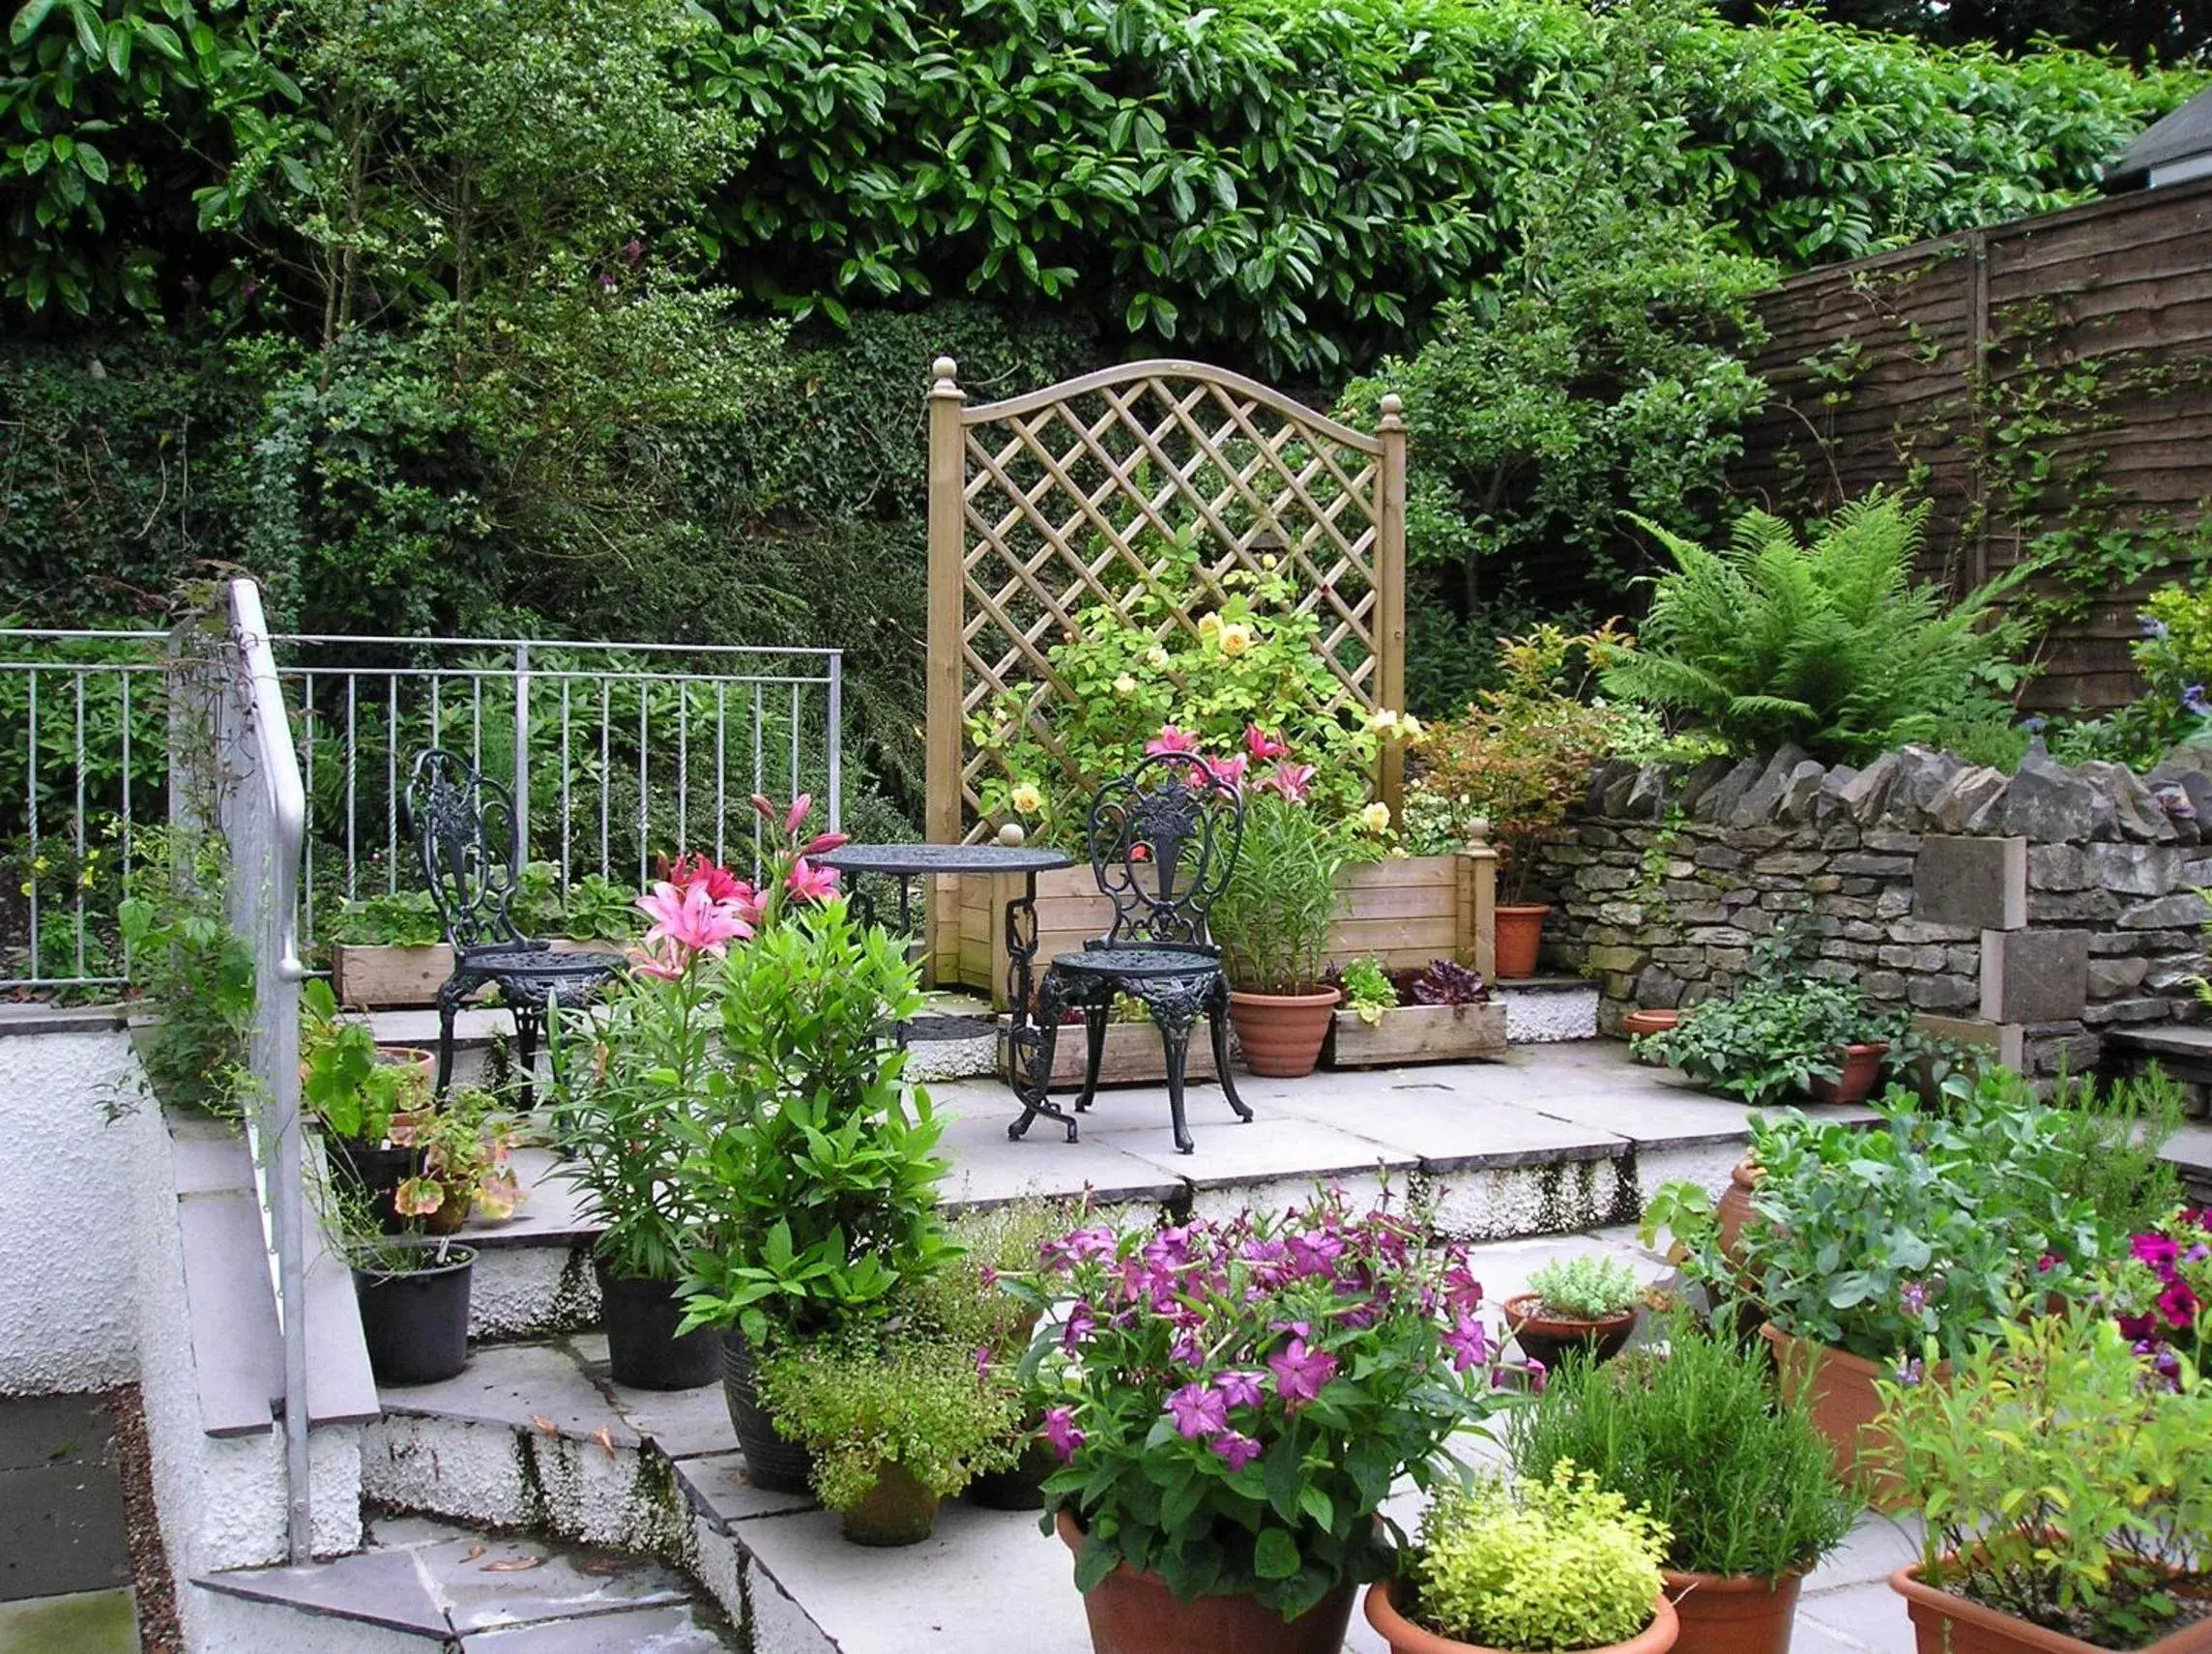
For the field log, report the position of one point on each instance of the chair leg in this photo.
(1175, 1038)
(527, 1021)
(1217, 1027)
(449, 1003)
(1030, 1055)
(1174, 1005)
(1095, 1018)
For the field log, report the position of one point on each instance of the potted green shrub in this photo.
(1587, 1305)
(809, 1169)
(620, 1082)
(412, 1290)
(1695, 1434)
(465, 1144)
(1272, 922)
(895, 1423)
(358, 1090)
(1233, 1399)
(1871, 1241)
(1529, 1566)
(2066, 1489)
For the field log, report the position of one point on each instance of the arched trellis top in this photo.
(1068, 497)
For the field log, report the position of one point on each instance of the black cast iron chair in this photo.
(464, 831)
(1163, 840)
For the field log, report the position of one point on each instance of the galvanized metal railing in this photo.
(616, 752)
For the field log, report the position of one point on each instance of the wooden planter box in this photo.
(1133, 1056)
(378, 977)
(1416, 1034)
(1404, 913)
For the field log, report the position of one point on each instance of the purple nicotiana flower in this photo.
(1301, 1372)
(1082, 1322)
(1060, 1429)
(1909, 1373)
(1469, 1342)
(1912, 1296)
(2193, 702)
(1240, 1389)
(1198, 1412)
(1235, 1450)
(1187, 1351)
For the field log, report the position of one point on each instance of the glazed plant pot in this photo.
(1282, 1033)
(899, 1510)
(1515, 937)
(1840, 1389)
(1407, 1637)
(1724, 1613)
(372, 1173)
(415, 1322)
(643, 1351)
(773, 1460)
(1136, 1614)
(1860, 1067)
(1946, 1624)
(1546, 1337)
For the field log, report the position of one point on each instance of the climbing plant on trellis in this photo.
(1076, 496)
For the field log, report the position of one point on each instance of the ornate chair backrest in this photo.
(1163, 842)
(464, 832)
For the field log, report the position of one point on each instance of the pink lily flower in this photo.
(1293, 781)
(812, 883)
(822, 842)
(691, 919)
(1171, 739)
(667, 964)
(1262, 745)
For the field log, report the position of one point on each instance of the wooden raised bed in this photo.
(1416, 1034)
(1133, 1056)
(379, 976)
(1404, 913)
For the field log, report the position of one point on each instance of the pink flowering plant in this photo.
(1230, 1400)
(2162, 1292)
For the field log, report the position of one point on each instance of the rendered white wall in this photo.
(69, 1300)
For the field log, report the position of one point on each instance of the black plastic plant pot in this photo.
(416, 1321)
(643, 1351)
(373, 1174)
(773, 1460)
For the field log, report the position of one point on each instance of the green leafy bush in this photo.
(1831, 644)
(1697, 1436)
(2174, 657)
(2057, 1485)
(1271, 920)
(1585, 1288)
(1538, 1566)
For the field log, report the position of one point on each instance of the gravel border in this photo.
(159, 1632)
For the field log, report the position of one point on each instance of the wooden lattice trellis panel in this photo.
(1067, 498)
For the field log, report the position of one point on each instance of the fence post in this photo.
(1476, 942)
(522, 755)
(941, 788)
(836, 741)
(1391, 592)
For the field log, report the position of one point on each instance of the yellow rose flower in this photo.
(1208, 624)
(1376, 817)
(1411, 729)
(1155, 656)
(1382, 722)
(1124, 685)
(1027, 798)
(1235, 638)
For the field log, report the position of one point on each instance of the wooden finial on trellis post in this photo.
(1390, 590)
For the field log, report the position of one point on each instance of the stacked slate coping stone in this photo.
(2032, 912)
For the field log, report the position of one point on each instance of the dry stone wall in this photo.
(2033, 912)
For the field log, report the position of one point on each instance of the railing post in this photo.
(521, 755)
(836, 741)
(1391, 593)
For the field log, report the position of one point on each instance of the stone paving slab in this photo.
(525, 1387)
(550, 1208)
(61, 1498)
(676, 1630)
(1447, 1129)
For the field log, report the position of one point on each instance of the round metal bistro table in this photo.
(903, 863)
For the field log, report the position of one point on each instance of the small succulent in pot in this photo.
(1586, 1304)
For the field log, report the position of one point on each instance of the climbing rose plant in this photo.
(1232, 1400)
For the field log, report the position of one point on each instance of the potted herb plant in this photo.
(2066, 1490)
(358, 1090)
(465, 1144)
(1232, 1400)
(1529, 1565)
(1272, 922)
(1869, 1243)
(1440, 1013)
(1696, 1434)
(809, 1169)
(1587, 1305)
(621, 1081)
(895, 1424)
(1520, 752)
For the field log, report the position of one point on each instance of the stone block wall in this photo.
(2030, 913)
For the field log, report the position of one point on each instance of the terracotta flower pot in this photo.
(1136, 1614)
(1407, 1637)
(1947, 1624)
(1546, 1337)
(1733, 1614)
(1734, 1210)
(452, 1212)
(1282, 1032)
(1637, 1024)
(1515, 937)
(1861, 1067)
(1845, 1406)
(899, 1510)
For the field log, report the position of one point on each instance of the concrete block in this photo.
(2034, 975)
(1976, 881)
(2005, 1041)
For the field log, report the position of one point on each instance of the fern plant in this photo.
(1831, 644)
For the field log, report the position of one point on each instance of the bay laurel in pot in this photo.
(895, 1423)
(1693, 1432)
(2065, 1480)
(1272, 922)
(1533, 1567)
